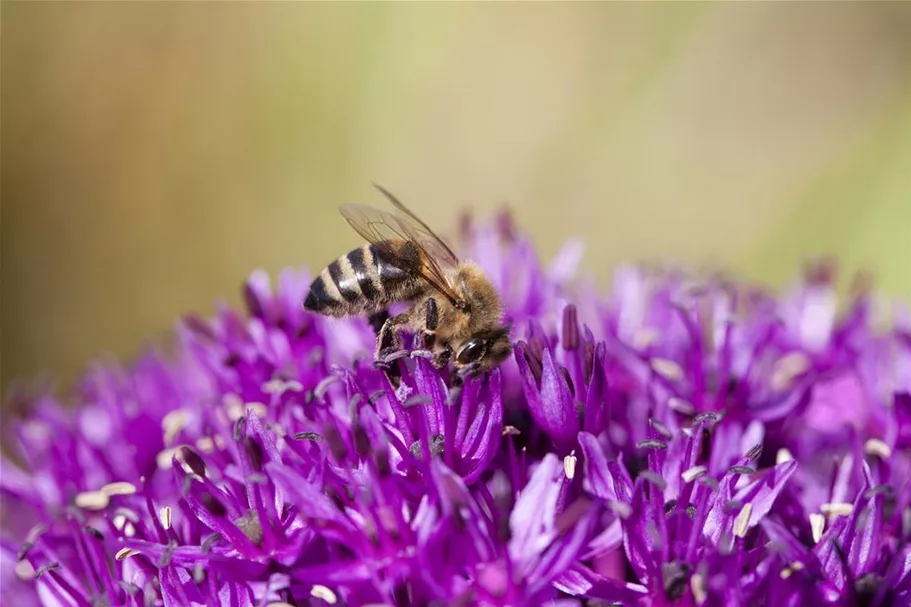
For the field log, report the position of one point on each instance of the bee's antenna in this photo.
(385, 193)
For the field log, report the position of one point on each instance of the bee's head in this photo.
(484, 351)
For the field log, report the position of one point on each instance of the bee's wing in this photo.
(438, 250)
(381, 229)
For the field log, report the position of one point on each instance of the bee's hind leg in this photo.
(377, 320)
(389, 347)
(388, 340)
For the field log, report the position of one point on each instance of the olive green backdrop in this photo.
(153, 154)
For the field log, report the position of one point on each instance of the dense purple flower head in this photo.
(683, 440)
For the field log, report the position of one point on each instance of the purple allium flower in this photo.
(684, 440)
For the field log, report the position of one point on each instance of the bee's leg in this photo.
(442, 352)
(388, 339)
(441, 355)
(431, 322)
(377, 320)
(473, 369)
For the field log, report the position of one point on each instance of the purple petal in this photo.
(763, 492)
(311, 500)
(607, 480)
(532, 519)
(552, 406)
(583, 582)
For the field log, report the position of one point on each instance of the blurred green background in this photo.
(153, 154)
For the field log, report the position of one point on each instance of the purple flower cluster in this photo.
(685, 441)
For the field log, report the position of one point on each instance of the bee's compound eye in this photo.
(471, 352)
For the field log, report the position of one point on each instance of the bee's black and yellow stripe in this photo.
(362, 282)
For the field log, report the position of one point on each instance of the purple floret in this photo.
(683, 440)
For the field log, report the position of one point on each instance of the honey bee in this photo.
(455, 308)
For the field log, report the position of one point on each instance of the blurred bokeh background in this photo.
(153, 154)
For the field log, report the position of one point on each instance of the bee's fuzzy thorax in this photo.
(484, 300)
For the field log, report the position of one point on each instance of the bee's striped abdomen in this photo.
(363, 264)
(324, 297)
(360, 282)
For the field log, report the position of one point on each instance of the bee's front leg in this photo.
(441, 356)
(442, 352)
(431, 322)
